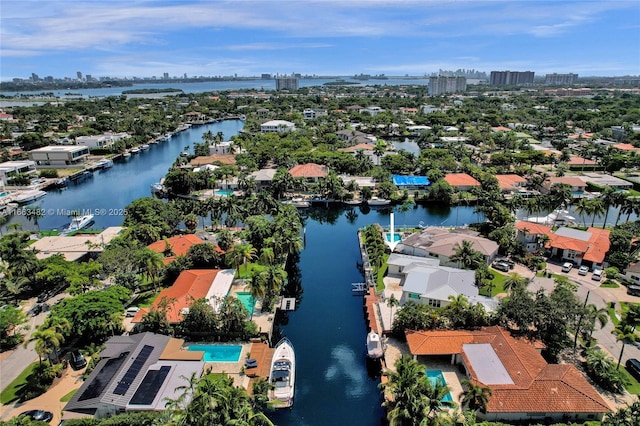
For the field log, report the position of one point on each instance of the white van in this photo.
(131, 312)
(597, 275)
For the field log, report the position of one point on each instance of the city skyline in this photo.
(214, 38)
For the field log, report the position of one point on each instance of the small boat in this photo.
(105, 164)
(375, 201)
(144, 146)
(127, 155)
(135, 150)
(557, 217)
(298, 203)
(157, 189)
(374, 345)
(353, 202)
(79, 222)
(282, 374)
(28, 196)
(61, 183)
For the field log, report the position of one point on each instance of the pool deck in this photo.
(264, 320)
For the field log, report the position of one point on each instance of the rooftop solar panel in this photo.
(102, 379)
(133, 371)
(150, 386)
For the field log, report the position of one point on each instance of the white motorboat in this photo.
(144, 146)
(374, 345)
(105, 164)
(298, 202)
(79, 222)
(375, 201)
(282, 374)
(557, 217)
(126, 155)
(28, 196)
(135, 150)
(157, 189)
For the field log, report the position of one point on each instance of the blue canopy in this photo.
(400, 180)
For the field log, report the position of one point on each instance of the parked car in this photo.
(43, 416)
(132, 311)
(501, 266)
(633, 367)
(583, 270)
(567, 266)
(77, 360)
(506, 260)
(597, 275)
(35, 310)
(633, 290)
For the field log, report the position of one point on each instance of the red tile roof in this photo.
(309, 170)
(510, 181)
(190, 286)
(537, 387)
(533, 228)
(179, 244)
(362, 146)
(573, 181)
(579, 161)
(460, 179)
(625, 147)
(593, 250)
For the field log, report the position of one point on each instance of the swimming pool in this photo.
(396, 237)
(4, 194)
(435, 376)
(224, 192)
(219, 353)
(247, 300)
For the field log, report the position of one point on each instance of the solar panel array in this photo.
(102, 379)
(133, 371)
(151, 384)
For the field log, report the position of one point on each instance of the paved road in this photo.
(12, 363)
(601, 297)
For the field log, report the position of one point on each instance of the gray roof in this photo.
(264, 175)
(486, 364)
(122, 357)
(439, 282)
(443, 241)
(574, 233)
(405, 259)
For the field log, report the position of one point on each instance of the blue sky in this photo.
(149, 37)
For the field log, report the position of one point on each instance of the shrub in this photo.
(48, 173)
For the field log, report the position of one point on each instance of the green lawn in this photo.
(612, 316)
(632, 385)
(609, 284)
(381, 273)
(68, 396)
(254, 268)
(497, 284)
(9, 394)
(144, 300)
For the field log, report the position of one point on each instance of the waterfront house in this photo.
(601, 180)
(588, 247)
(11, 169)
(424, 281)
(411, 183)
(191, 285)
(311, 172)
(277, 126)
(263, 178)
(577, 185)
(59, 156)
(176, 246)
(103, 141)
(531, 234)
(309, 114)
(72, 248)
(138, 372)
(461, 181)
(524, 387)
(632, 273)
(441, 243)
(511, 183)
(221, 148)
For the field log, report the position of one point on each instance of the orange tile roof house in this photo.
(309, 171)
(191, 285)
(581, 247)
(461, 181)
(529, 234)
(524, 386)
(576, 184)
(178, 245)
(511, 182)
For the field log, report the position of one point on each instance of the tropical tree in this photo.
(624, 333)
(151, 263)
(475, 397)
(466, 256)
(240, 254)
(407, 403)
(392, 302)
(515, 281)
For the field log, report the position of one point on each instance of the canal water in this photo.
(328, 330)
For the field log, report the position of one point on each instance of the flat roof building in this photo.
(10, 169)
(57, 155)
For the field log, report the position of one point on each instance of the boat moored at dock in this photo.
(374, 345)
(28, 196)
(282, 374)
(78, 223)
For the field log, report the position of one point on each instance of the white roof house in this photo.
(277, 126)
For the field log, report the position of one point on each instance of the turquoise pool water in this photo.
(247, 300)
(4, 194)
(219, 353)
(225, 192)
(435, 376)
(396, 237)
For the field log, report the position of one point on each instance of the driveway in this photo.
(601, 297)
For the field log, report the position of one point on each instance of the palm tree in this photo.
(46, 340)
(466, 256)
(475, 397)
(624, 333)
(515, 281)
(583, 208)
(151, 263)
(241, 254)
(610, 198)
(597, 208)
(407, 403)
(392, 302)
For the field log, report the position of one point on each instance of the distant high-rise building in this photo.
(511, 78)
(287, 83)
(441, 85)
(79, 74)
(560, 79)
(89, 77)
(266, 76)
(34, 76)
(165, 76)
(185, 76)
